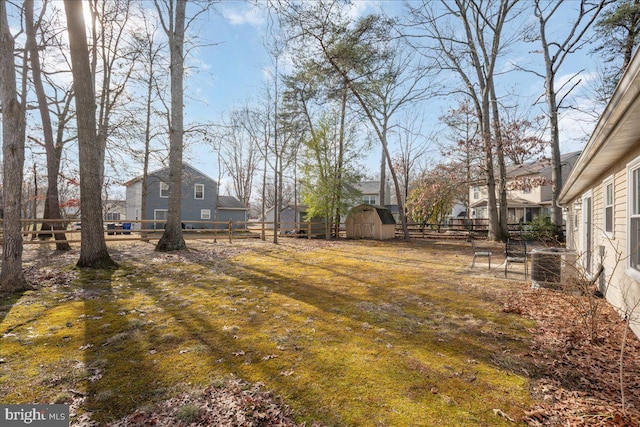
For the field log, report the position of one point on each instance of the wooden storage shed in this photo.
(370, 222)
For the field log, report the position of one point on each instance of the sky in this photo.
(231, 67)
(238, 65)
(235, 69)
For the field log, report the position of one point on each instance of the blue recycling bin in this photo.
(126, 228)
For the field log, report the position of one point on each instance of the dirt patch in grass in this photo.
(343, 333)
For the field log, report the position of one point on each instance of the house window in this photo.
(205, 213)
(161, 216)
(113, 216)
(369, 199)
(634, 217)
(608, 207)
(476, 192)
(164, 190)
(198, 191)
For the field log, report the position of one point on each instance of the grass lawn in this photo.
(346, 333)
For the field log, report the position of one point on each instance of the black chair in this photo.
(516, 252)
(477, 252)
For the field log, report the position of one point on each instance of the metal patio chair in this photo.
(516, 252)
(480, 252)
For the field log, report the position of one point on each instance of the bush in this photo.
(544, 230)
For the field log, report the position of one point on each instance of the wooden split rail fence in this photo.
(69, 230)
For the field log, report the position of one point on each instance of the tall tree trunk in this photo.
(502, 169)
(494, 226)
(382, 189)
(11, 276)
(556, 170)
(172, 239)
(52, 203)
(93, 248)
(147, 152)
(555, 52)
(277, 165)
(552, 105)
(340, 162)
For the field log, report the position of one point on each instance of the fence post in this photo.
(309, 229)
(230, 230)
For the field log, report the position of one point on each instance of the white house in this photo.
(528, 190)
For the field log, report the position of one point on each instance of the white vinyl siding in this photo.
(634, 215)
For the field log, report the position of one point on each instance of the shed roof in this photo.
(383, 213)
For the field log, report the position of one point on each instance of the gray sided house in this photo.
(200, 202)
(231, 208)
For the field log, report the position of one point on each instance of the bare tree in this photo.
(238, 147)
(555, 53)
(53, 150)
(412, 148)
(174, 26)
(151, 75)
(465, 148)
(113, 60)
(11, 276)
(472, 54)
(93, 248)
(172, 15)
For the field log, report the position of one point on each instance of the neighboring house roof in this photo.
(161, 171)
(615, 135)
(368, 187)
(541, 167)
(230, 202)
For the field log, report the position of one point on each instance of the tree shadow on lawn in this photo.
(408, 316)
(42, 254)
(120, 372)
(419, 332)
(297, 345)
(435, 310)
(7, 301)
(216, 338)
